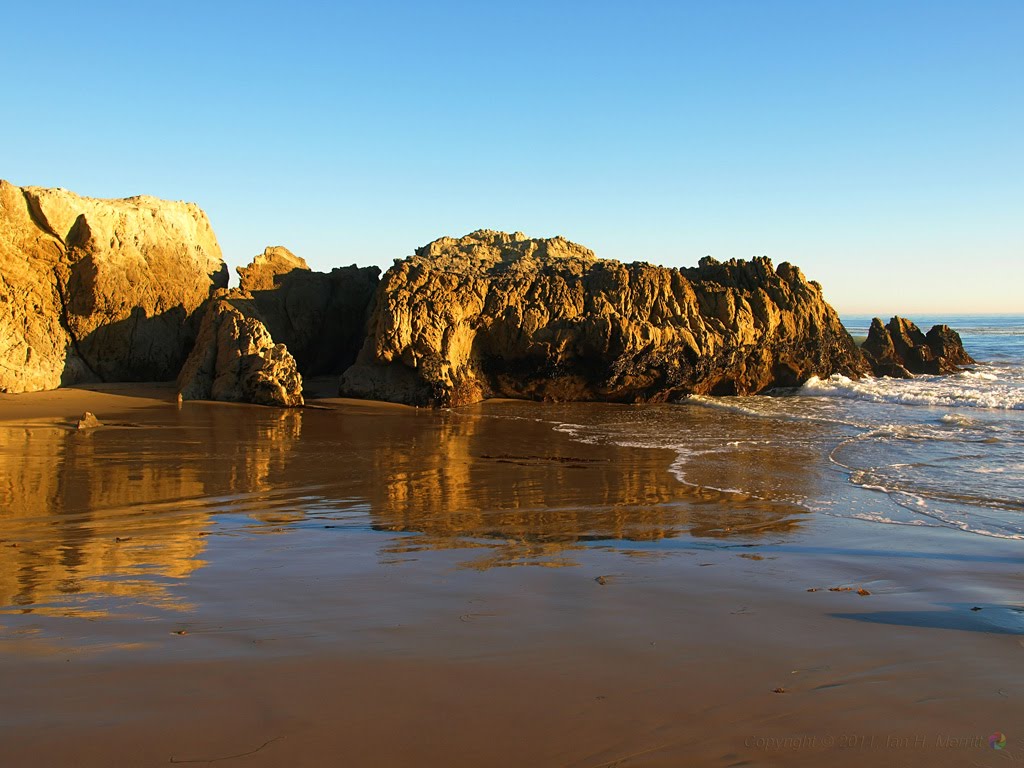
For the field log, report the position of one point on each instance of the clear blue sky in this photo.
(879, 144)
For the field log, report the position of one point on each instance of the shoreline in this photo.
(329, 579)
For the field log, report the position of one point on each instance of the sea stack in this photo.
(900, 349)
(493, 314)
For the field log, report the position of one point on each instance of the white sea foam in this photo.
(975, 519)
(922, 390)
(977, 375)
(921, 515)
(955, 418)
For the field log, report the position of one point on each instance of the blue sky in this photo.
(877, 144)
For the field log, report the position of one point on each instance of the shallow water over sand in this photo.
(119, 520)
(125, 513)
(301, 586)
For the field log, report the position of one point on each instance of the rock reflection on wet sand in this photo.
(113, 519)
(116, 516)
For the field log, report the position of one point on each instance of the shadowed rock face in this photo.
(236, 360)
(321, 317)
(499, 315)
(99, 289)
(899, 349)
(283, 319)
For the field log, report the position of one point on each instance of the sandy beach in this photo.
(359, 585)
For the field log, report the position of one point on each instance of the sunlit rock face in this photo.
(99, 290)
(493, 314)
(236, 360)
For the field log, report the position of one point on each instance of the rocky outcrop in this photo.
(35, 348)
(99, 289)
(236, 360)
(900, 349)
(321, 317)
(499, 315)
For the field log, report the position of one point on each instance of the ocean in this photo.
(934, 451)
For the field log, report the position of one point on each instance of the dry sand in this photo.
(376, 586)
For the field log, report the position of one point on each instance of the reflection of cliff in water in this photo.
(120, 513)
(523, 491)
(94, 521)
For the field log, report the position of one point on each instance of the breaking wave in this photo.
(965, 390)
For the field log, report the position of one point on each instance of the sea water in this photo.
(938, 451)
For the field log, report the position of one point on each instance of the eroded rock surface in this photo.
(236, 360)
(899, 349)
(99, 289)
(321, 317)
(36, 351)
(501, 315)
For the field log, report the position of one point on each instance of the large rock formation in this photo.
(321, 317)
(99, 289)
(899, 349)
(35, 348)
(499, 315)
(236, 360)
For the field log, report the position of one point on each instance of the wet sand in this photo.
(356, 584)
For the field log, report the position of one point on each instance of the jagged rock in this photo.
(236, 360)
(880, 352)
(900, 350)
(499, 315)
(948, 348)
(274, 262)
(321, 317)
(99, 289)
(88, 421)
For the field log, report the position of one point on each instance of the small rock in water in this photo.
(88, 421)
(862, 592)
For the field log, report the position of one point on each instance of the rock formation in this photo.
(499, 315)
(114, 290)
(35, 348)
(236, 360)
(900, 349)
(88, 421)
(321, 317)
(99, 289)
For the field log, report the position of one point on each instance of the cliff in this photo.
(499, 315)
(99, 289)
